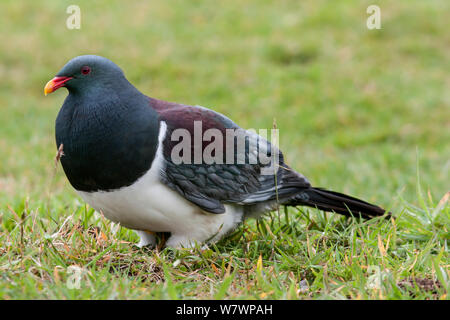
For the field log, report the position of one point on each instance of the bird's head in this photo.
(85, 73)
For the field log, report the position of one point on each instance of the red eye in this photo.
(85, 70)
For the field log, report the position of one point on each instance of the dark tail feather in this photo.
(337, 202)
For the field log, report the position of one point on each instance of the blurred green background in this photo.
(354, 106)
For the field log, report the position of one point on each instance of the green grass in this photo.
(365, 112)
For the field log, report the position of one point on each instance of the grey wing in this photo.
(254, 175)
(211, 186)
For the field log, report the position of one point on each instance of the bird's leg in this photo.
(147, 238)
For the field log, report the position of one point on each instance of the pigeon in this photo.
(161, 167)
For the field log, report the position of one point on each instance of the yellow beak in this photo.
(55, 84)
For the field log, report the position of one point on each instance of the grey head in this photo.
(88, 74)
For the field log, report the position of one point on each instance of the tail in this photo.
(336, 202)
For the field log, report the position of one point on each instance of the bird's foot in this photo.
(147, 238)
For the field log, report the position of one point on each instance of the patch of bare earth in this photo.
(424, 284)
